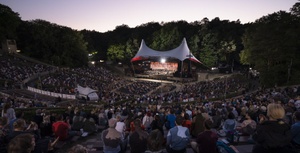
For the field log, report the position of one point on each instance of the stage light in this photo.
(163, 60)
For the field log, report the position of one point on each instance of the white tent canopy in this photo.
(181, 53)
(87, 92)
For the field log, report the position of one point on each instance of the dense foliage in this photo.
(9, 21)
(272, 46)
(269, 45)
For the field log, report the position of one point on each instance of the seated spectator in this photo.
(147, 120)
(296, 130)
(46, 126)
(19, 115)
(62, 129)
(273, 135)
(112, 139)
(102, 121)
(217, 120)
(170, 119)
(230, 123)
(229, 127)
(206, 141)
(38, 118)
(155, 142)
(138, 138)
(248, 126)
(89, 124)
(178, 137)
(132, 125)
(187, 122)
(197, 124)
(23, 143)
(157, 124)
(33, 128)
(21, 128)
(120, 125)
(77, 122)
(3, 132)
(78, 149)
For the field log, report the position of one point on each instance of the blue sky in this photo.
(105, 15)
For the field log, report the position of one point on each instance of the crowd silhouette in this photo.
(145, 116)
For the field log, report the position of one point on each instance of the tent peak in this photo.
(182, 52)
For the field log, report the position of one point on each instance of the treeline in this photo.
(270, 45)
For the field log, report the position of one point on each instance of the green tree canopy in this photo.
(272, 45)
(52, 43)
(9, 21)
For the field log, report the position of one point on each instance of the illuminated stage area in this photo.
(175, 63)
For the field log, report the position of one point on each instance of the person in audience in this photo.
(248, 126)
(62, 129)
(138, 139)
(187, 122)
(112, 139)
(102, 120)
(19, 115)
(78, 149)
(273, 135)
(3, 132)
(155, 142)
(132, 125)
(178, 137)
(121, 127)
(89, 125)
(8, 112)
(20, 127)
(157, 124)
(46, 126)
(230, 123)
(170, 119)
(147, 120)
(217, 120)
(38, 118)
(206, 141)
(77, 122)
(23, 143)
(197, 124)
(296, 130)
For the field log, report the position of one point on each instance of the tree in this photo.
(295, 10)
(131, 49)
(116, 52)
(208, 53)
(52, 43)
(9, 21)
(271, 43)
(168, 37)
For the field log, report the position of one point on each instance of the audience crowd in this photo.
(16, 69)
(269, 117)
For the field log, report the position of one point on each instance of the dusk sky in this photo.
(105, 15)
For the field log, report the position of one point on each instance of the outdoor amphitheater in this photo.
(35, 88)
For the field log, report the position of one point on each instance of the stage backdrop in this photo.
(164, 66)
